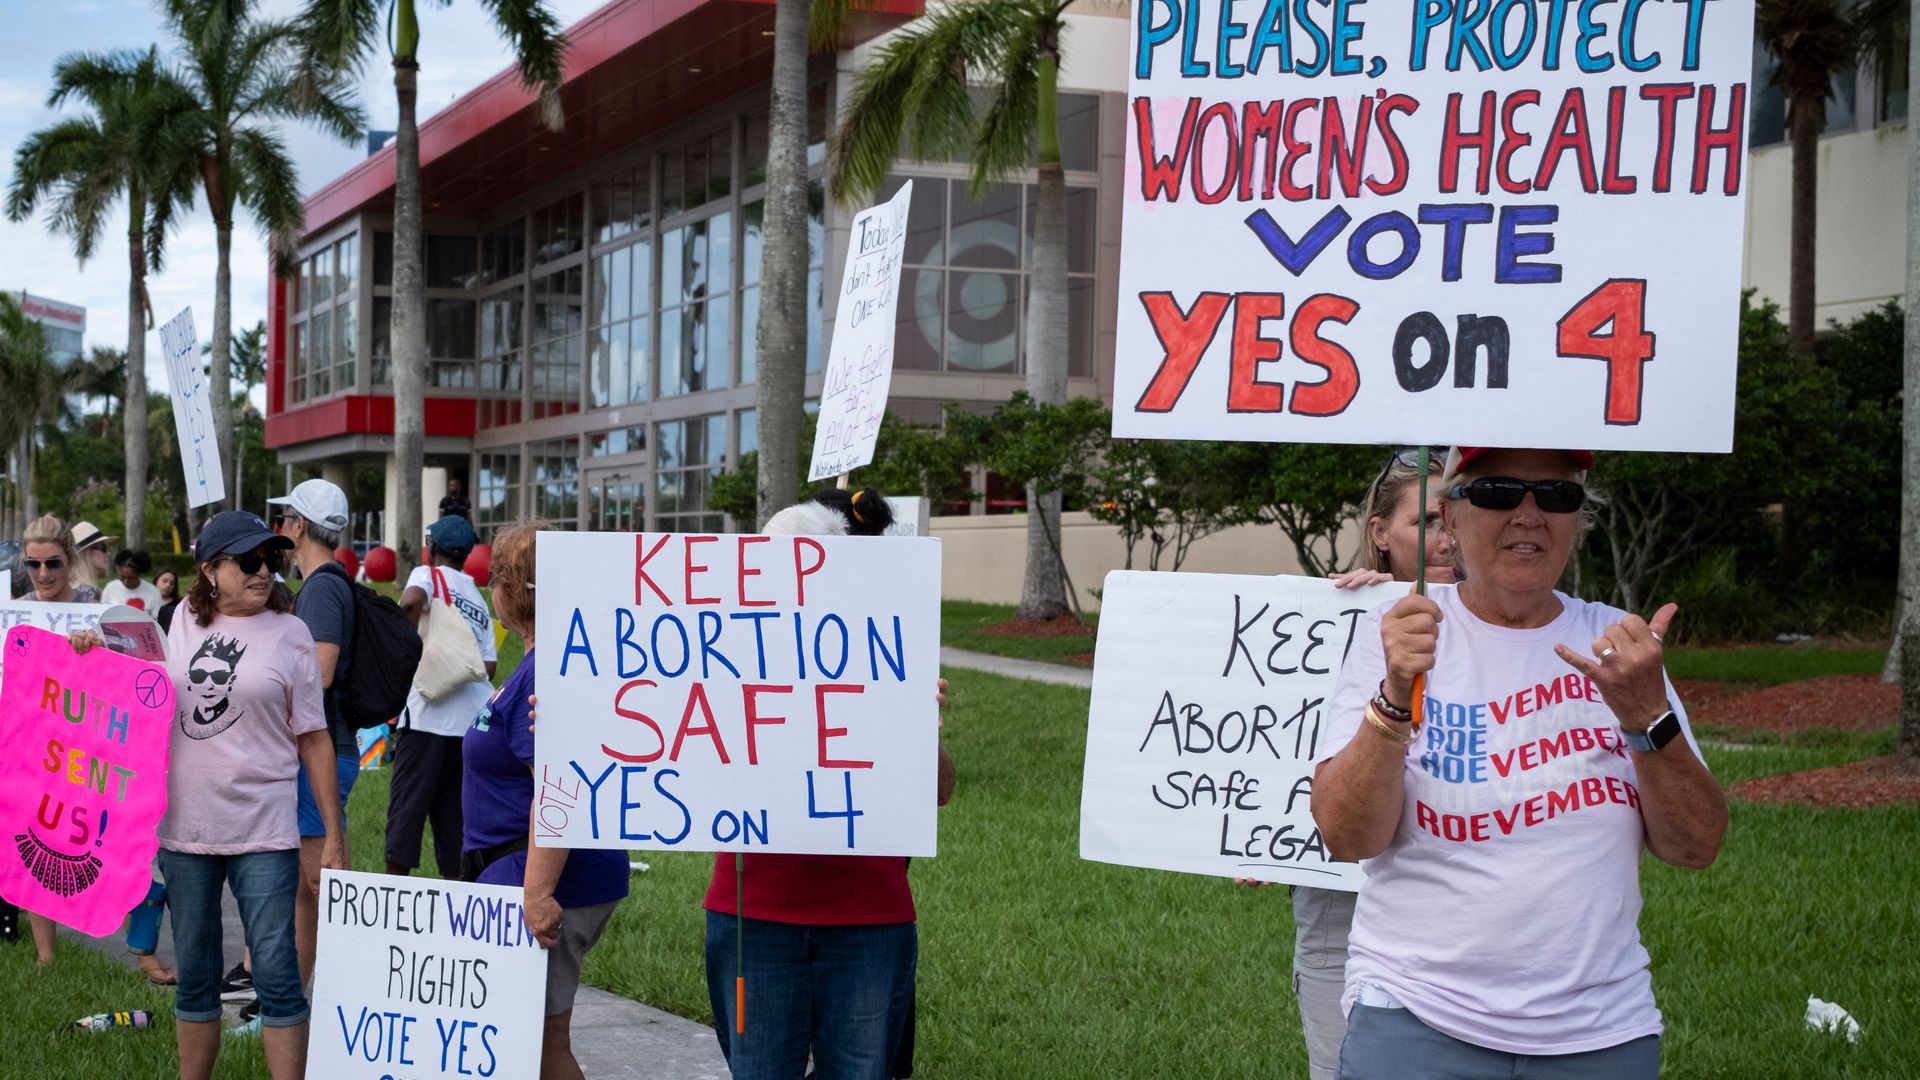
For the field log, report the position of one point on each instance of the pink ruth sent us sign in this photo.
(83, 778)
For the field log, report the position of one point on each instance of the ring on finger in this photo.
(1657, 637)
(1608, 651)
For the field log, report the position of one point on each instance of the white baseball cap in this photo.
(319, 501)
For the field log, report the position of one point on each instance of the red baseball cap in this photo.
(1582, 458)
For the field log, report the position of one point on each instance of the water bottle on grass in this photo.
(110, 1021)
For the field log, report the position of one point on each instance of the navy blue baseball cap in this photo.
(452, 533)
(231, 532)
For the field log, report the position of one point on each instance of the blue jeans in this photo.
(263, 884)
(842, 991)
(347, 768)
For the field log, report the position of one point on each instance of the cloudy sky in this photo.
(459, 50)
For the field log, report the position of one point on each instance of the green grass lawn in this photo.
(1034, 963)
(963, 625)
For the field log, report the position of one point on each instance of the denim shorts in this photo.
(263, 884)
(347, 768)
(1394, 1044)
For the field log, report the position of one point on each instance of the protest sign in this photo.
(84, 781)
(192, 412)
(860, 358)
(737, 693)
(1209, 696)
(131, 632)
(62, 619)
(910, 514)
(421, 978)
(1504, 223)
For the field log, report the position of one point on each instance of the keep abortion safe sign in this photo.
(737, 693)
(418, 978)
(1209, 702)
(1492, 222)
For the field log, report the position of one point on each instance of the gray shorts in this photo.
(580, 929)
(1393, 1044)
(1322, 919)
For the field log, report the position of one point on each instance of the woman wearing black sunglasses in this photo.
(1502, 811)
(247, 684)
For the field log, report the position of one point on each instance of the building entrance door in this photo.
(616, 500)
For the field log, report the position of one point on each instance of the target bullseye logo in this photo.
(151, 688)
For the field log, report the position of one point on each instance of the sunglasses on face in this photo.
(1506, 493)
(252, 561)
(37, 565)
(219, 677)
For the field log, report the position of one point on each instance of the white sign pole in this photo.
(737, 693)
(1491, 224)
(422, 978)
(860, 360)
(1206, 721)
(192, 413)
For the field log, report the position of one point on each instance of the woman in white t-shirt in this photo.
(1502, 834)
(129, 587)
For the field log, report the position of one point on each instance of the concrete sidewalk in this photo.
(1037, 670)
(612, 1037)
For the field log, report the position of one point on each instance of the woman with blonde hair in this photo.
(52, 561)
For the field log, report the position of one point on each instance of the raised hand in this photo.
(1629, 668)
(1409, 633)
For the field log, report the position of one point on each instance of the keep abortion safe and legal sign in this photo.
(1492, 222)
(1209, 706)
(737, 693)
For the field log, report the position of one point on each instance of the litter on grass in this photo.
(1826, 1016)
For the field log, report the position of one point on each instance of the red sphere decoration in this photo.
(479, 564)
(382, 564)
(345, 557)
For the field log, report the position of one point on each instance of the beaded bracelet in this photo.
(1391, 711)
(1374, 721)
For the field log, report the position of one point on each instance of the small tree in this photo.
(1313, 492)
(1169, 493)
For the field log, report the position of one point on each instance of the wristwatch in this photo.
(1658, 734)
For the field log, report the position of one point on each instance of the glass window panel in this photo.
(719, 351)
(297, 364)
(720, 164)
(926, 217)
(673, 266)
(697, 258)
(673, 181)
(719, 253)
(749, 431)
(1080, 327)
(754, 167)
(450, 329)
(321, 274)
(503, 252)
(694, 162)
(383, 258)
(451, 262)
(669, 381)
(600, 209)
(817, 120)
(557, 229)
(670, 443)
(379, 349)
(319, 345)
(639, 359)
(346, 344)
(349, 268)
(752, 217)
(599, 297)
(816, 297)
(920, 320)
(694, 359)
(986, 233)
(816, 223)
(640, 269)
(749, 335)
(296, 288)
(983, 322)
(1079, 125)
(619, 288)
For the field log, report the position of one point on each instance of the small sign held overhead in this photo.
(860, 362)
(192, 414)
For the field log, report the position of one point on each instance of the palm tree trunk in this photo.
(1804, 117)
(1909, 612)
(135, 409)
(782, 332)
(219, 380)
(409, 332)
(1043, 588)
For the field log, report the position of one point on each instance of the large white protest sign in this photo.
(1209, 700)
(737, 693)
(418, 978)
(57, 618)
(860, 362)
(1497, 223)
(192, 412)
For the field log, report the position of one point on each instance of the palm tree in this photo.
(135, 144)
(101, 375)
(33, 386)
(336, 35)
(917, 87)
(242, 74)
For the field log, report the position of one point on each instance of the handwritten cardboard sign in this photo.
(422, 978)
(860, 361)
(1209, 694)
(1492, 223)
(61, 619)
(83, 778)
(737, 693)
(192, 412)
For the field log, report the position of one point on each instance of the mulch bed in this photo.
(1062, 626)
(1084, 659)
(1698, 694)
(1853, 702)
(1882, 781)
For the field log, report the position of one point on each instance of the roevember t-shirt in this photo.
(1506, 910)
(245, 689)
(496, 800)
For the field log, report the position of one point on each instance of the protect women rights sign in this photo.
(1494, 222)
(83, 779)
(1209, 699)
(420, 978)
(737, 693)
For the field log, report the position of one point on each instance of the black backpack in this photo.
(386, 650)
